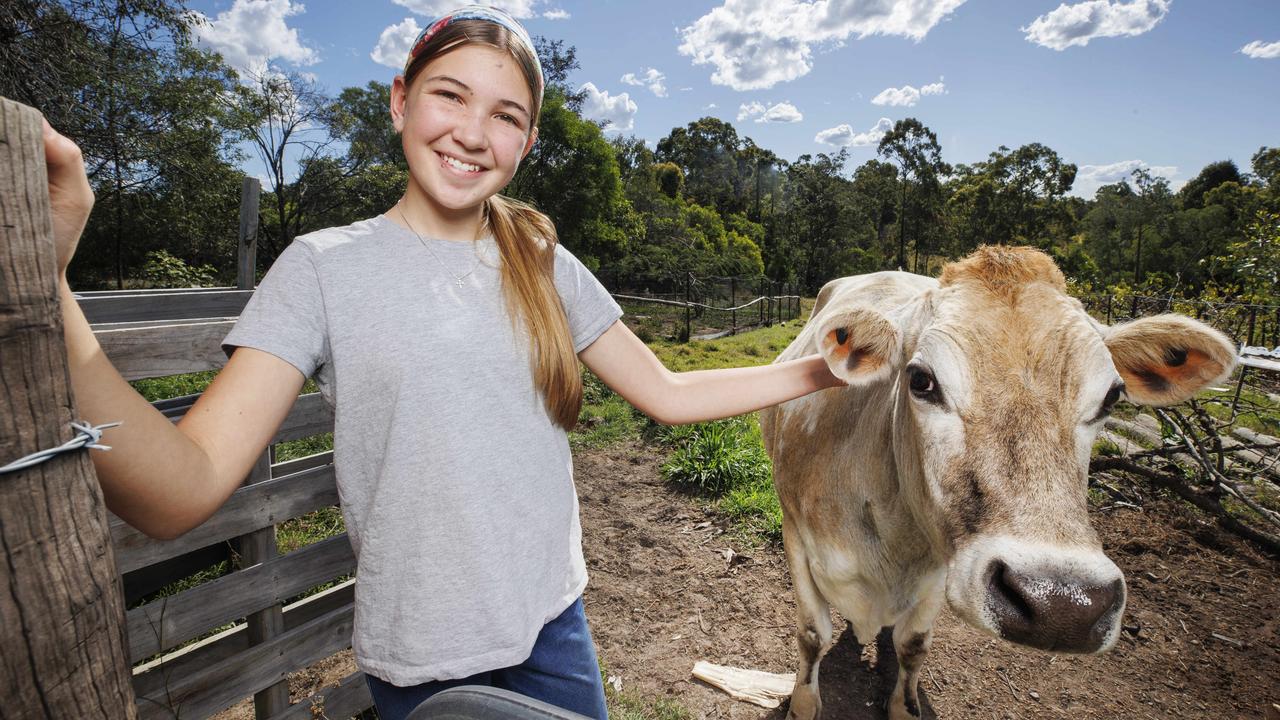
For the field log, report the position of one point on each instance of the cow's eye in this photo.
(923, 385)
(1113, 396)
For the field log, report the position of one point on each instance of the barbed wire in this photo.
(87, 436)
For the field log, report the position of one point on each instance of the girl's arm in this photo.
(160, 478)
(631, 369)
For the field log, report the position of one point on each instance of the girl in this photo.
(446, 333)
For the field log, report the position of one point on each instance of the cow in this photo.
(954, 464)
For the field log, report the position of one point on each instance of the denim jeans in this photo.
(562, 670)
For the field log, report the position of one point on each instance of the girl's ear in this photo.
(533, 138)
(399, 93)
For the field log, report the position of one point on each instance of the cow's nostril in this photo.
(1052, 613)
(1014, 614)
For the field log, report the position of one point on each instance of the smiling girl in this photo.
(446, 333)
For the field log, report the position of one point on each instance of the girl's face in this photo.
(465, 125)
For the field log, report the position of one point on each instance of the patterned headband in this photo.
(477, 12)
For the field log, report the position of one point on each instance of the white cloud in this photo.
(436, 8)
(394, 43)
(650, 78)
(556, 14)
(1091, 177)
(1069, 25)
(1262, 51)
(618, 110)
(754, 109)
(783, 112)
(907, 96)
(843, 136)
(755, 44)
(253, 33)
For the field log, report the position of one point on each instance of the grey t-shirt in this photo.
(456, 487)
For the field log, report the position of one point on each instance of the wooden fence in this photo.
(149, 334)
(154, 333)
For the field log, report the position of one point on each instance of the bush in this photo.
(715, 458)
(162, 270)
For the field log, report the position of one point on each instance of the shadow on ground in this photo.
(857, 685)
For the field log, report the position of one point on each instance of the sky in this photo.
(1111, 85)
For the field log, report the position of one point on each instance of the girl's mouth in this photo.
(458, 165)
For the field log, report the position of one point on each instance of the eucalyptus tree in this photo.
(915, 150)
(123, 80)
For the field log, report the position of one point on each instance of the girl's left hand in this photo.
(70, 197)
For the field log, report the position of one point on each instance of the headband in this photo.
(477, 12)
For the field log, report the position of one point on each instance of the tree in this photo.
(1014, 197)
(285, 117)
(914, 148)
(361, 117)
(123, 80)
(572, 175)
(1213, 175)
(706, 150)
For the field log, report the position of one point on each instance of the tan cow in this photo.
(955, 464)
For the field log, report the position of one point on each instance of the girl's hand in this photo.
(70, 197)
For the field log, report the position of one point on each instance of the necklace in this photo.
(457, 279)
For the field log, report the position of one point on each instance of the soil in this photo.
(670, 585)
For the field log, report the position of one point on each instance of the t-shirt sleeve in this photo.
(588, 305)
(286, 315)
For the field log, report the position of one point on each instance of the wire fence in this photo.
(1246, 324)
(680, 308)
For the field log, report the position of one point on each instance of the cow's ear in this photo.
(1166, 359)
(860, 345)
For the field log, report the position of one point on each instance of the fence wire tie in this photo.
(87, 436)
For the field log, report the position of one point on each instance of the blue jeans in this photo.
(562, 670)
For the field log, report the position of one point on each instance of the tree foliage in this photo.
(162, 125)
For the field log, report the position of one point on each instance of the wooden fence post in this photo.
(62, 614)
(246, 257)
(258, 547)
(733, 303)
(688, 298)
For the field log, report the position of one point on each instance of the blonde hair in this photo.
(526, 239)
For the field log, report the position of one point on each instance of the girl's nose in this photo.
(469, 132)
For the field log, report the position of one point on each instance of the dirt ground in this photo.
(669, 587)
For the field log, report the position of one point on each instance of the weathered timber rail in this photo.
(156, 333)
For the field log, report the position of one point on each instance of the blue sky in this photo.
(1109, 84)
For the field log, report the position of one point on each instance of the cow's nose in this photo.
(1052, 613)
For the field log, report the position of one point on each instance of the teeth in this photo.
(468, 167)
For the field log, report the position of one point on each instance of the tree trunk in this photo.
(61, 612)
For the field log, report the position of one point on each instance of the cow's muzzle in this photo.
(1046, 596)
(1051, 611)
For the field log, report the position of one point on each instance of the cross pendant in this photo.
(459, 282)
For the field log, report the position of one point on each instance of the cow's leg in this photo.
(912, 636)
(813, 628)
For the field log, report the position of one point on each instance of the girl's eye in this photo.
(509, 119)
(447, 95)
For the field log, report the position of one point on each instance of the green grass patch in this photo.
(628, 706)
(172, 386)
(1106, 447)
(605, 417)
(717, 457)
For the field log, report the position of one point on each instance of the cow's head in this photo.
(1001, 383)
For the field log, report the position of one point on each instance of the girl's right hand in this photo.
(70, 197)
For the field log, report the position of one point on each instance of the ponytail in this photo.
(527, 245)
